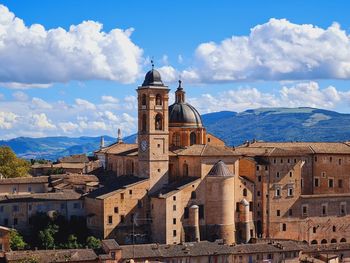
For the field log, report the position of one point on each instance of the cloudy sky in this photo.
(71, 67)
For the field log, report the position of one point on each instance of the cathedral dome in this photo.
(183, 114)
(153, 78)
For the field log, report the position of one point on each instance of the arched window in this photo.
(143, 100)
(185, 169)
(334, 228)
(245, 192)
(193, 138)
(158, 99)
(333, 240)
(176, 139)
(342, 240)
(159, 122)
(314, 229)
(313, 242)
(143, 122)
(323, 241)
(193, 195)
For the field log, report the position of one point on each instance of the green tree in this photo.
(16, 240)
(93, 242)
(47, 236)
(10, 165)
(73, 242)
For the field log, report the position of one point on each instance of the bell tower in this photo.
(153, 133)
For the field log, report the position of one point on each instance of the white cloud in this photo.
(168, 73)
(110, 116)
(276, 50)
(84, 104)
(68, 127)
(109, 99)
(34, 56)
(42, 122)
(20, 96)
(7, 119)
(38, 103)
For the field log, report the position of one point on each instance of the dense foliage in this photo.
(10, 165)
(16, 241)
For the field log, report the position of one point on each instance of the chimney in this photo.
(119, 139)
(102, 142)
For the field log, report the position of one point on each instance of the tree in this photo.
(93, 242)
(16, 240)
(47, 236)
(10, 165)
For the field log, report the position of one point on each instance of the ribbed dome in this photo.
(220, 169)
(153, 78)
(181, 113)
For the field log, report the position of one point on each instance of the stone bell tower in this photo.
(153, 133)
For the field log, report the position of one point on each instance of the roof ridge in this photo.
(205, 146)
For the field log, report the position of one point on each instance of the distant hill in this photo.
(268, 124)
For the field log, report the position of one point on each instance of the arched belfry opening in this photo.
(193, 138)
(159, 100)
(159, 122)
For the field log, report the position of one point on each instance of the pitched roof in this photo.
(74, 178)
(77, 158)
(173, 188)
(69, 165)
(25, 180)
(115, 185)
(205, 150)
(120, 149)
(46, 256)
(220, 169)
(111, 244)
(54, 196)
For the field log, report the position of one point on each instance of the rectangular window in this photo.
(316, 182)
(258, 193)
(174, 207)
(304, 210)
(274, 160)
(174, 233)
(259, 178)
(288, 161)
(343, 208)
(29, 189)
(323, 174)
(174, 198)
(278, 212)
(174, 221)
(339, 161)
(110, 219)
(201, 211)
(281, 160)
(284, 227)
(290, 191)
(324, 209)
(315, 158)
(122, 196)
(257, 167)
(250, 206)
(290, 174)
(278, 175)
(130, 192)
(186, 212)
(330, 183)
(278, 192)
(330, 159)
(266, 168)
(340, 183)
(116, 210)
(237, 206)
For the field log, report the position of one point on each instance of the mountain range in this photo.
(268, 124)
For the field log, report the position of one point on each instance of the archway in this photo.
(159, 122)
(323, 241)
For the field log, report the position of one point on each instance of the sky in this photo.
(70, 68)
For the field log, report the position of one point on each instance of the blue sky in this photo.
(231, 55)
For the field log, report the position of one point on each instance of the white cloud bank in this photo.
(276, 50)
(33, 56)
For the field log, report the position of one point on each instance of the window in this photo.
(258, 193)
(274, 160)
(295, 160)
(315, 158)
(330, 159)
(284, 227)
(174, 207)
(316, 182)
(237, 206)
(174, 198)
(122, 219)
(130, 192)
(186, 212)
(281, 160)
(185, 169)
(259, 178)
(143, 100)
(30, 207)
(257, 167)
(290, 174)
(174, 233)
(174, 221)
(278, 175)
(15, 208)
(110, 219)
(330, 183)
(334, 228)
(15, 221)
(278, 192)
(288, 160)
(201, 211)
(290, 212)
(29, 189)
(323, 174)
(305, 210)
(193, 138)
(159, 122)
(63, 206)
(245, 192)
(290, 191)
(250, 206)
(340, 183)
(116, 210)
(193, 195)
(122, 196)
(339, 161)
(314, 229)
(342, 208)
(176, 139)
(14, 190)
(144, 123)
(324, 209)
(158, 99)
(278, 212)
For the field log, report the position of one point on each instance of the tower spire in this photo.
(180, 93)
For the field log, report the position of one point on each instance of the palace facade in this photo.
(178, 183)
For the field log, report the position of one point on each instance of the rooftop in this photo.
(77, 158)
(35, 197)
(205, 150)
(25, 180)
